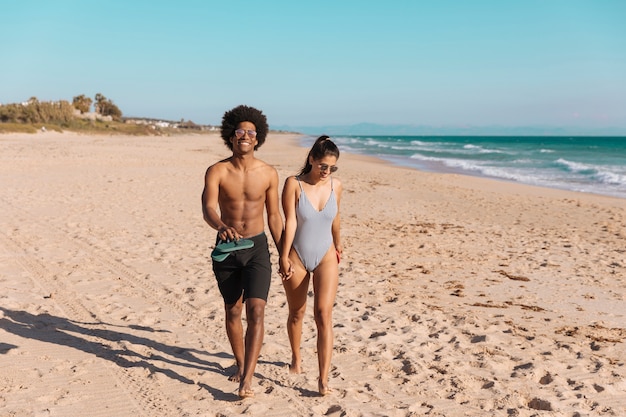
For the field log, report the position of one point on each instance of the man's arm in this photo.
(210, 196)
(210, 201)
(274, 219)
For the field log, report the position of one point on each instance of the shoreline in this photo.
(445, 170)
(458, 295)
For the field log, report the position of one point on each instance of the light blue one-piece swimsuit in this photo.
(314, 233)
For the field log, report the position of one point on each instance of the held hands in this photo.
(285, 268)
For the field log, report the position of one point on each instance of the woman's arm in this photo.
(336, 227)
(289, 198)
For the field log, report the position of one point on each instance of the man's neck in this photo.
(243, 161)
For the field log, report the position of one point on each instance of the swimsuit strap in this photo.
(299, 183)
(332, 187)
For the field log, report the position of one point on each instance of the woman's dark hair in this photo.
(322, 147)
(243, 113)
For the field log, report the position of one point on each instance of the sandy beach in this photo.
(458, 296)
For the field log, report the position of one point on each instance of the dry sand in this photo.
(458, 296)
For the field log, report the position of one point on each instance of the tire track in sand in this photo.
(137, 282)
(141, 393)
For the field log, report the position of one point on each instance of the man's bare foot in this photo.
(323, 388)
(236, 377)
(245, 392)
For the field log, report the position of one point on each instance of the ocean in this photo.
(586, 164)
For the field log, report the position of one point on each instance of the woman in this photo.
(311, 244)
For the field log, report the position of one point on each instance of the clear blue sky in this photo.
(326, 62)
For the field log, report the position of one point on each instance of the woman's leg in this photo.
(296, 289)
(325, 282)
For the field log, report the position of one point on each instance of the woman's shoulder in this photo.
(292, 179)
(291, 187)
(337, 186)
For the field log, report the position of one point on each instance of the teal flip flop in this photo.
(219, 256)
(233, 245)
(222, 250)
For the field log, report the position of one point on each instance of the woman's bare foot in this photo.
(295, 368)
(323, 388)
(245, 392)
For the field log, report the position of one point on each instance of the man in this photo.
(242, 186)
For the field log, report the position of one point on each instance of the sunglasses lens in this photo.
(240, 132)
(324, 168)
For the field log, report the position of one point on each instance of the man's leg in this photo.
(255, 316)
(234, 330)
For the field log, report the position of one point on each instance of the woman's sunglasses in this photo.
(325, 167)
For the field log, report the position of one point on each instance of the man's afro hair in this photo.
(244, 113)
